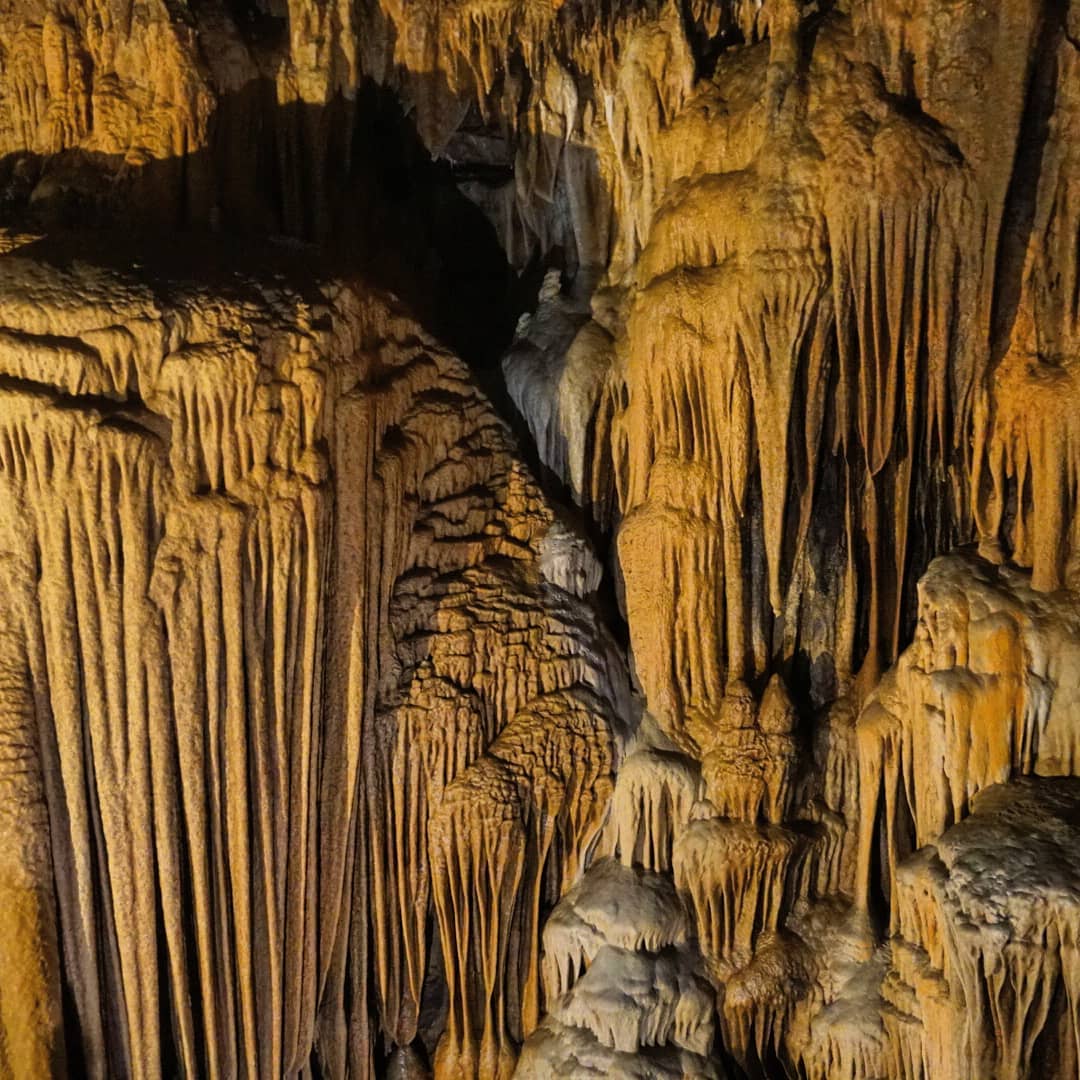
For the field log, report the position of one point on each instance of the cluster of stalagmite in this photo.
(331, 744)
(621, 974)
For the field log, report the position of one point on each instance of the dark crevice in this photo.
(261, 22)
(1021, 199)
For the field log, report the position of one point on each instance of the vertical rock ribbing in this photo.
(316, 754)
(255, 513)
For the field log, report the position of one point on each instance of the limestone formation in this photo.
(540, 538)
(276, 620)
(987, 929)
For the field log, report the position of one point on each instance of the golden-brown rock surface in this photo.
(277, 615)
(539, 538)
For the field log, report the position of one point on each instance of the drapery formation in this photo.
(268, 615)
(317, 753)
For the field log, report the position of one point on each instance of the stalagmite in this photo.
(557, 1051)
(628, 908)
(625, 985)
(655, 1003)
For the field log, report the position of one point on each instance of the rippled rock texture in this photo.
(540, 538)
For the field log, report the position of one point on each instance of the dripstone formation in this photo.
(540, 538)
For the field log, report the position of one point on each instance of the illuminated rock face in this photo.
(277, 622)
(723, 721)
(987, 917)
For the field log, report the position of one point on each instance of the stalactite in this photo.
(186, 509)
(845, 1054)
(311, 727)
(977, 698)
(653, 802)
(734, 876)
(93, 641)
(838, 1028)
(761, 1003)
(479, 853)
(433, 736)
(1025, 472)
(582, 92)
(1006, 953)
(706, 264)
(553, 762)
(830, 795)
(31, 1022)
(749, 766)
(555, 371)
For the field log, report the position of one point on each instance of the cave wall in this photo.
(275, 593)
(647, 703)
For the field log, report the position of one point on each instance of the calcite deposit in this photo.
(540, 538)
(291, 670)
